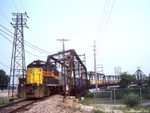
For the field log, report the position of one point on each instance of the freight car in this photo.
(42, 79)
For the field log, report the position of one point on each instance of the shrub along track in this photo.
(20, 105)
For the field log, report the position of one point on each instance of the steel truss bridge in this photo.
(74, 76)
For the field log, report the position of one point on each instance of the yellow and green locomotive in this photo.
(41, 80)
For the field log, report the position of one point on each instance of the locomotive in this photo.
(42, 79)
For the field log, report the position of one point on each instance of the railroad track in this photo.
(16, 106)
(21, 105)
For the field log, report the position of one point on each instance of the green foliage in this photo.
(146, 93)
(88, 98)
(119, 94)
(126, 80)
(87, 101)
(4, 80)
(132, 99)
(89, 94)
(98, 111)
(146, 82)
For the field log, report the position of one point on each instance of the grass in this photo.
(2, 101)
(87, 101)
(141, 109)
(98, 111)
(5, 100)
(88, 98)
(145, 100)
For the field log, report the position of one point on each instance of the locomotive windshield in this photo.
(38, 64)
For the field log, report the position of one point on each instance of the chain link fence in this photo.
(117, 96)
(103, 97)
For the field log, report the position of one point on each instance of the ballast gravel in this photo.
(55, 105)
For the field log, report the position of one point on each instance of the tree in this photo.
(126, 80)
(147, 81)
(4, 79)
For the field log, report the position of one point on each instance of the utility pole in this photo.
(100, 67)
(18, 66)
(63, 41)
(96, 86)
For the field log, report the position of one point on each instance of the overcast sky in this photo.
(121, 29)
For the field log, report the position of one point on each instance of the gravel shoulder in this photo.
(55, 105)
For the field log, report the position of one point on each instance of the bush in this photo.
(89, 94)
(132, 99)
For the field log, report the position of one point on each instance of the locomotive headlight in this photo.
(22, 85)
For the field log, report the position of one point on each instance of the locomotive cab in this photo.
(39, 75)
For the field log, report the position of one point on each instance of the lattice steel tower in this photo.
(18, 66)
(117, 70)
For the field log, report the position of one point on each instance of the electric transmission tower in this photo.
(117, 70)
(18, 66)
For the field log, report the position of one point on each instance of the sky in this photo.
(121, 29)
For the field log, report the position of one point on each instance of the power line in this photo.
(38, 48)
(4, 65)
(6, 33)
(104, 14)
(6, 29)
(108, 16)
(35, 47)
(27, 43)
(30, 18)
(22, 5)
(42, 29)
(30, 45)
(15, 5)
(4, 16)
(39, 26)
(6, 38)
(25, 50)
(105, 17)
(33, 54)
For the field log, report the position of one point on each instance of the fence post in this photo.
(111, 98)
(141, 95)
(94, 98)
(114, 97)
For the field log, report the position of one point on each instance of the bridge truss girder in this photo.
(73, 71)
